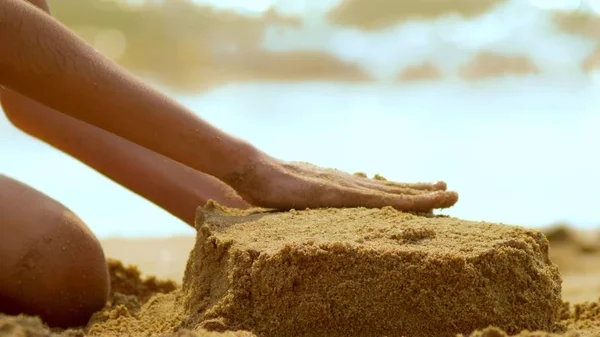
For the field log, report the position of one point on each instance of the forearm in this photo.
(43, 60)
(170, 185)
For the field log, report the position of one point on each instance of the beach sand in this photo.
(352, 272)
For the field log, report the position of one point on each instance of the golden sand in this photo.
(348, 272)
(359, 272)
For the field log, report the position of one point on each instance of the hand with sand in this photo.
(69, 76)
(302, 185)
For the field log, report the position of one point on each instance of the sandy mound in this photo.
(137, 307)
(24, 326)
(128, 281)
(359, 272)
(341, 272)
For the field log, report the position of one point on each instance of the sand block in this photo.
(366, 272)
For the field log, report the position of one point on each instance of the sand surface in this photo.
(260, 270)
(572, 251)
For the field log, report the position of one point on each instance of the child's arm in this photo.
(42, 59)
(170, 185)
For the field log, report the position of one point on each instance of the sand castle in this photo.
(366, 272)
(349, 272)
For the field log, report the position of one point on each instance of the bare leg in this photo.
(51, 265)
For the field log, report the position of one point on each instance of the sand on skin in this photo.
(135, 314)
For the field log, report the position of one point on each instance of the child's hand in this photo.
(275, 184)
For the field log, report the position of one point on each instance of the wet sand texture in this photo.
(25, 326)
(365, 272)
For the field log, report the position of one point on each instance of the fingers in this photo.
(435, 200)
(438, 186)
(398, 188)
(380, 183)
(424, 202)
(408, 189)
(325, 188)
(409, 197)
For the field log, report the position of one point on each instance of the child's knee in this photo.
(51, 265)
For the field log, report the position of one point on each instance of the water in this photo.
(518, 152)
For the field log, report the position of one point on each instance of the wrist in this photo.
(245, 174)
(240, 160)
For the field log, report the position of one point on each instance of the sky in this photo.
(517, 143)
